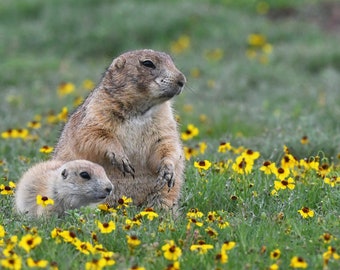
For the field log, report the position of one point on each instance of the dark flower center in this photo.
(305, 209)
(284, 182)
(29, 242)
(202, 163)
(172, 249)
(242, 164)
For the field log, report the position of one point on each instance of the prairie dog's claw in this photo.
(165, 176)
(123, 164)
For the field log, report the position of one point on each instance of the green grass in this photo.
(254, 105)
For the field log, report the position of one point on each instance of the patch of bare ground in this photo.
(326, 14)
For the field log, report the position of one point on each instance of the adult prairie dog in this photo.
(126, 124)
(69, 184)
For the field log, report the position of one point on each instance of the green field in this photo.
(262, 75)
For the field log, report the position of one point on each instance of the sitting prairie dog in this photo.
(126, 124)
(70, 184)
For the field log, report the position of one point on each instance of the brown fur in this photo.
(126, 124)
(63, 182)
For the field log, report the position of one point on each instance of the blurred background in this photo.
(260, 73)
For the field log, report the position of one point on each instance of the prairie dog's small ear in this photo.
(119, 62)
(64, 173)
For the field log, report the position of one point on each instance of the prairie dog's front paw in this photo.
(166, 175)
(122, 163)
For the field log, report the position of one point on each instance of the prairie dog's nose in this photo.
(181, 80)
(109, 189)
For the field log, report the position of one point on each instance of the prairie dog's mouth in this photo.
(100, 196)
(171, 92)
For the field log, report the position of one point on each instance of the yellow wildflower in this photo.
(78, 101)
(29, 242)
(36, 263)
(305, 212)
(7, 190)
(228, 245)
(195, 72)
(84, 247)
(189, 152)
(223, 147)
(2, 231)
(106, 208)
(62, 116)
(69, 237)
(222, 223)
(173, 266)
(202, 165)
(242, 165)
(106, 227)
(189, 133)
(327, 238)
(137, 267)
(108, 257)
(288, 161)
(65, 88)
(214, 55)
(283, 184)
(150, 213)
(202, 147)
(44, 201)
(298, 262)
(330, 254)
(268, 167)
(132, 222)
(250, 155)
(34, 124)
(304, 140)
(124, 202)
(95, 264)
(332, 181)
(194, 221)
(11, 243)
(171, 251)
(211, 232)
(88, 84)
(194, 213)
(282, 173)
(275, 254)
(133, 240)
(201, 247)
(222, 257)
(256, 40)
(274, 266)
(13, 262)
(180, 45)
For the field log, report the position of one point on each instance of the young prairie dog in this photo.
(127, 125)
(70, 184)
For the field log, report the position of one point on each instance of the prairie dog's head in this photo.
(145, 74)
(83, 182)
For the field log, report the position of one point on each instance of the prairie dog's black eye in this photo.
(148, 63)
(85, 175)
(64, 174)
